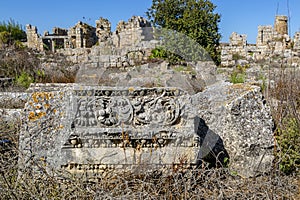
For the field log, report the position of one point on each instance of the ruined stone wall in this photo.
(34, 40)
(128, 34)
(129, 45)
(236, 49)
(281, 25)
(238, 39)
(59, 31)
(131, 33)
(265, 34)
(297, 42)
(103, 29)
(82, 35)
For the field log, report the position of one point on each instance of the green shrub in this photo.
(288, 138)
(24, 79)
(237, 77)
(185, 69)
(161, 53)
(263, 80)
(19, 45)
(10, 32)
(237, 56)
(4, 35)
(239, 74)
(158, 53)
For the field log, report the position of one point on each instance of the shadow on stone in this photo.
(212, 150)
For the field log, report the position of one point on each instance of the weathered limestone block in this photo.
(240, 116)
(86, 129)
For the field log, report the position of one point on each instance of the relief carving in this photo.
(135, 108)
(140, 121)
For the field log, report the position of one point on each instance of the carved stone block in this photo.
(86, 129)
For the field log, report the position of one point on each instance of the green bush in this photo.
(288, 138)
(4, 35)
(237, 77)
(10, 32)
(237, 56)
(161, 53)
(158, 53)
(24, 79)
(185, 69)
(239, 74)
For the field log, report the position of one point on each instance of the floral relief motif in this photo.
(108, 110)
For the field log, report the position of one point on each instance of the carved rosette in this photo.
(114, 111)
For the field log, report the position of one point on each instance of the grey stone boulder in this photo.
(239, 115)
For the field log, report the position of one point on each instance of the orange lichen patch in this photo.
(46, 106)
(38, 106)
(41, 114)
(54, 111)
(131, 89)
(31, 116)
(61, 127)
(41, 96)
(35, 116)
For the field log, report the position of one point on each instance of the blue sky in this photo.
(241, 16)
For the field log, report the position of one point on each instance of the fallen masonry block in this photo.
(87, 129)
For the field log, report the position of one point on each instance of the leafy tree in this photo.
(193, 18)
(11, 32)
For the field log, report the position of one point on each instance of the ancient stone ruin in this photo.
(83, 35)
(271, 42)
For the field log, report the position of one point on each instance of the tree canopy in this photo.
(11, 31)
(194, 18)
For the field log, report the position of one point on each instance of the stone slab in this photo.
(73, 125)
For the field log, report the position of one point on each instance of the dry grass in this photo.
(174, 184)
(284, 99)
(25, 66)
